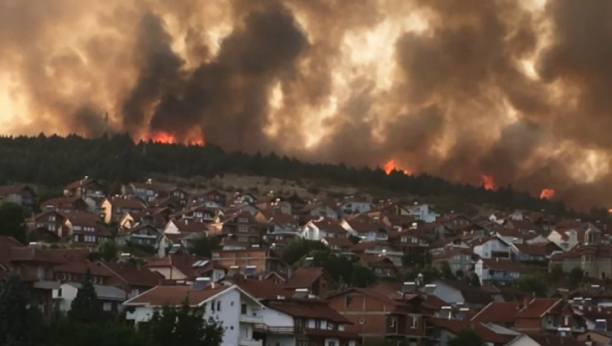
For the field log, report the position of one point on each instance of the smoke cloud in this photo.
(516, 90)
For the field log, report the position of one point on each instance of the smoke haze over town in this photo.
(483, 92)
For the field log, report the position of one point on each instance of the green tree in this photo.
(362, 276)
(85, 307)
(466, 337)
(12, 222)
(203, 246)
(299, 248)
(575, 277)
(445, 272)
(184, 326)
(532, 284)
(108, 250)
(14, 319)
(556, 273)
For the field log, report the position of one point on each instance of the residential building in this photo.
(238, 311)
(114, 208)
(303, 322)
(22, 195)
(595, 261)
(263, 261)
(320, 228)
(316, 280)
(86, 187)
(491, 247)
(497, 270)
(459, 260)
(323, 209)
(110, 297)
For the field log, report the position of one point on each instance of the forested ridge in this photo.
(54, 161)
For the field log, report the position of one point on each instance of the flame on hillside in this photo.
(163, 137)
(547, 194)
(488, 182)
(391, 166)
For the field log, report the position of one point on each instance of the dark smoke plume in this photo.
(518, 90)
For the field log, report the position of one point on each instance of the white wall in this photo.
(68, 293)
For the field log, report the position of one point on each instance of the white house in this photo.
(365, 229)
(323, 228)
(237, 310)
(111, 297)
(351, 207)
(422, 212)
(496, 270)
(491, 247)
(321, 209)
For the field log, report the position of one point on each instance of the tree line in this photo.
(86, 324)
(54, 161)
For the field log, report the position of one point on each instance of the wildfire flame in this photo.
(610, 210)
(391, 166)
(547, 194)
(163, 137)
(487, 182)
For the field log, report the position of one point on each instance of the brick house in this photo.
(379, 314)
(316, 280)
(263, 261)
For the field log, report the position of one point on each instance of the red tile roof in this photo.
(81, 266)
(308, 308)
(127, 203)
(340, 242)
(6, 245)
(329, 225)
(538, 307)
(134, 275)
(175, 295)
(260, 289)
(498, 312)
(305, 277)
(6, 190)
(31, 254)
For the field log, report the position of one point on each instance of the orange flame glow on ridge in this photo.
(391, 166)
(488, 182)
(547, 194)
(163, 137)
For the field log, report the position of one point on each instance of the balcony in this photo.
(250, 319)
(278, 330)
(245, 342)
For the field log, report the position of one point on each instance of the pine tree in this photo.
(85, 307)
(13, 312)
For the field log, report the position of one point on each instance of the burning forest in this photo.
(490, 93)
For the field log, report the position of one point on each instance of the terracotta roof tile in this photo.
(134, 275)
(311, 308)
(498, 312)
(537, 307)
(260, 289)
(340, 242)
(175, 295)
(127, 203)
(305, 277)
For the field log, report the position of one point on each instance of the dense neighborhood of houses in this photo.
(263, 301)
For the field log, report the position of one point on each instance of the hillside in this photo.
(54, 161)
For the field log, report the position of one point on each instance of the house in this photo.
(460, 261)
(365, 228)
(321, 209)
(322, 227)
(296, 202)
(22, 195)
(110, 297)
(142, 234)
(595, 261)
(65, 204)
(304, 322)
(539, 314)
(444, 330)
(238, 311)
(500, 313)
(316, 280)
(423, 212)
(458, 293)
(382, 266)
(86, 229)
(338, 244)
(50, 221)
(36, 267)
(410, 242)
(186, 267)
(240, 198)
(262, 261)
(354, 206)
(86, 187)
(197, 213)
(379, 249)
(491, 247)
(535, 252)
(133, 279)
(147, 191)
(497, 270)
(243, 225)
(573, 233)
(379, 315)
(115, 207)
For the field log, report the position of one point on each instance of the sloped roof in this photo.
(538, 307)
(341, 242)
(6, 190)
(498, 312)
(310, 308)
(305, 277)
(134, 275)
(127, 202)
(260, 289)
(31, 254)
(329, 225)
(104, 292)
(175, 295)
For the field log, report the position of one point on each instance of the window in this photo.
(348, 300)
(212, 306)
(393, 322)
(107, 306)
(219, 305)
(243, 309)
(331, 343)
(59, 293)
(317, 324)
(415, 323)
